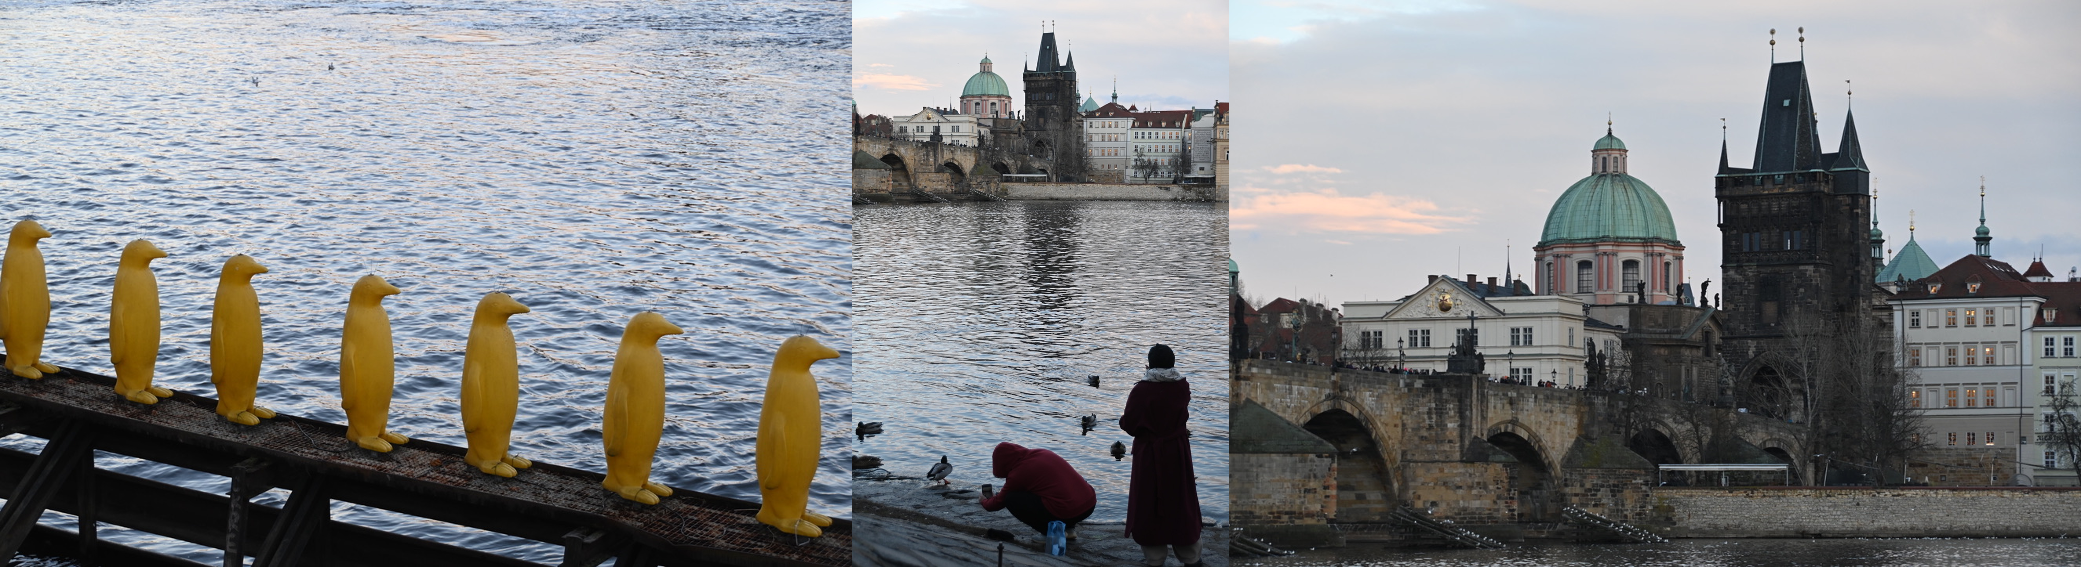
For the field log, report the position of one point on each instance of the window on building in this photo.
(1988, 317)
(1951, 356)
(1951, 438)
(1915, 318)
(1972, 397)
(1988, 400)
(1420, 338)
(1521, 336)
(1572, 336)
(1915, 356)
(1629, 275)
(1585, 277)
(1469, 337)
(1970, 355)
(1795, 240)
(1951, 318)
(1970, 317)
(2048, 314)
(1951, 398)
(2049, 386)
(1989, 439)
(1915, 399)
(1972, 438)
(2052, 461)
(2048, 340)
(2067, 348)
(1668, 285)
(1987, 355)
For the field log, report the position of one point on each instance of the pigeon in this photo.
(939, 472)
(1119, 450)
(1094, 380)
(1089, 422)
(865, 429)
(328, 67)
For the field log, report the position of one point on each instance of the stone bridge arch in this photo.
(1369, 485)
(945, 168)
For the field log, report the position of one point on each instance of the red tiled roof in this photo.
(2065, 298)
(2038, 269)
(1279, 306)
(1163, 119)
(1997, 279)
(1110, 110)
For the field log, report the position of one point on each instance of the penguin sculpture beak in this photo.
(671, 330)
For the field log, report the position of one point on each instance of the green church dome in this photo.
(1910, 264)
(986, 83)
(1609, 142)
(1609, 207)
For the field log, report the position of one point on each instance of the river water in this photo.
(979, 323)
(593, 158)
(1712, 552)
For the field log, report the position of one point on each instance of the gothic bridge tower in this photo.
(1794, 237)
(1054, 129)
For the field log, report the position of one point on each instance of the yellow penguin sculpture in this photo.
(635, 415)
(133, 324)
(25, 301)
(491, 387)
(367, 365)
(791, 436)
(235, 342)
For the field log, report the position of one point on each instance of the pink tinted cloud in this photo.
(1302, 169)
(893, 82)
(1329, 211)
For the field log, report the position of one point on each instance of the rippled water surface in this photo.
(593, 158)
(978, 324)
(1713, 552)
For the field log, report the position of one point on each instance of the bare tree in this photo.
(2060, 430)
(1144, 166)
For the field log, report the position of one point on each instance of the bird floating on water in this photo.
(1089, 421)
(866, 462)
(1119, 450)
(865, 429)
(1094, 380)
(939, 472)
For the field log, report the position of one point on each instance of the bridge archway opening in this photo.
(1658, 448)
(1529, 479)
(1001, 168)
(1041, 149)
(898, 174)
(1769, 394)
(958, 178)
(1785, 456)
(1366, 492)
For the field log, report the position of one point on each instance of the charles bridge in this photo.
(908, 167)
(1316, 445)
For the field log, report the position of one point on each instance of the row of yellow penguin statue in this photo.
(790, 436)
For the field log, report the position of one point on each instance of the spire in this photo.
(1878, 239)
(1786, 138)
(1849, 156)
(1071, 64)
(1724, 146)
(1048, 61)
(1981, 237)
(1507, 268)
(1116, 89)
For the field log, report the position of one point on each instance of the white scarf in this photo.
(1162, 375)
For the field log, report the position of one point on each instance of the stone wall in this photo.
(1619, 494)
(1810, 512)
(1468, 493)
(1964, 467)
(871, 181)
(1281, 489)
(1111, 192)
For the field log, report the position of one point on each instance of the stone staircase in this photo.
(1603, 529)
(1443, 528)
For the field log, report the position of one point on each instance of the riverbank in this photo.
(1710, 552)
(902, 522)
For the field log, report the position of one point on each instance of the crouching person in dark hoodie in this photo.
(1040, 487)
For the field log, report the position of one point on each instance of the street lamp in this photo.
(1552, 376)
(1400, 365)
(1510, 370)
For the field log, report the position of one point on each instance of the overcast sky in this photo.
(1169, 55)
(1383, 141)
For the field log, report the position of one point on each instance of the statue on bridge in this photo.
(1464, 360)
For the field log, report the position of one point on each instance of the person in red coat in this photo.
(1163, 503)
(1040, 487)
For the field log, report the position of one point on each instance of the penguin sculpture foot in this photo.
(159, 392)
(799, 527)
(45, 367)
(143, 397)
(261, 412)
(246, 418)
(499, 469)
(660, 490)
(374, 444)
(516, 461)
(637, 494)
(27, 372)
(394, 437)
(816, 519)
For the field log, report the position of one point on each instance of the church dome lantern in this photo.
(1610, 239)
(986, 95)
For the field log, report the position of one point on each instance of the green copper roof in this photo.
(1609, 207)
(1910, 264)
(986, 83)
(1090, 104)
(1609, 142)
